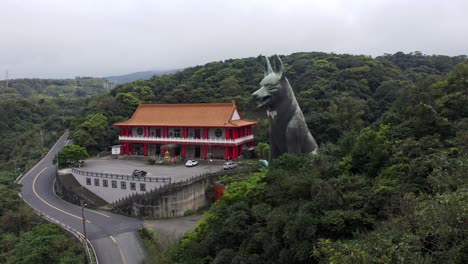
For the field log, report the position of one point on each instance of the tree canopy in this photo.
(389, 184)
(71, 154)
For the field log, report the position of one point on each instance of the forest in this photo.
(33, 114)
(388, 185)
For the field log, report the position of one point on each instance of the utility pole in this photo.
(84, 220)
(6, 78)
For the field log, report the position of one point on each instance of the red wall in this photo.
(219, 191)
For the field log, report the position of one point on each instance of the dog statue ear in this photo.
(278, 66)
(268, 68)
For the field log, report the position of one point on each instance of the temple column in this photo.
(205, 148)
(234, 153)
(145, 149)
(226, 155)
(184, 151)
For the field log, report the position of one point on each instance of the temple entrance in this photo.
(138, 149)
(173, 149)
(217, 153)
(154, 150)
(197, 152)
(193, 152)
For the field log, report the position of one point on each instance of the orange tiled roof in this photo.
(185, 115)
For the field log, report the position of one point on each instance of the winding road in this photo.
(113, 236)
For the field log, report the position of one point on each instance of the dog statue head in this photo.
(272, 87)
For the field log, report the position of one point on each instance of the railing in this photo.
(121, 177)
(89, 249)
(125, 205)
(189, 140)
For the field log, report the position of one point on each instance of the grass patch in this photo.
(158, 248)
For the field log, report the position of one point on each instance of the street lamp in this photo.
(83, 204)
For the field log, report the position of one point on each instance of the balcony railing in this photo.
(188, 140)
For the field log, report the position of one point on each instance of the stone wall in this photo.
(173, 199)
(112, 187)
(71, 191)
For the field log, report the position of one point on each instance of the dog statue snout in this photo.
(261, 97)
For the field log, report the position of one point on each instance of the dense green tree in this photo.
(392, 189)
(393, 143)
(71, 154)
(92, 132)
(45, 244)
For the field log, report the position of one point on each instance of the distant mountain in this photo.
(53, 88)
(145, 75)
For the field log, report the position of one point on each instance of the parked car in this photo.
(139, 173)
(191, 163)
(229, 165)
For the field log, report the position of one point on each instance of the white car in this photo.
(191, 163)
(229, 165)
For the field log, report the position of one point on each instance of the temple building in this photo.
(203, 131)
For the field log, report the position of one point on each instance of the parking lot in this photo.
(177, 172)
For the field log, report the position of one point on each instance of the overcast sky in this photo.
(68, 38)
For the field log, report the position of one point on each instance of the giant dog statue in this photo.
(288, 129)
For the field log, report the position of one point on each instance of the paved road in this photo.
(169, 230)
(177, 172)
(113, 236)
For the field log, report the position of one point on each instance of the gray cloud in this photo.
(59, 39)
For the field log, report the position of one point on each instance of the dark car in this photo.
(139, 173)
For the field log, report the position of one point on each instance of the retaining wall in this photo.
(112, 187)
(173, 199)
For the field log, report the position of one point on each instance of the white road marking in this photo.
(27, 173)
(88, 210)
(58, 209)
(120, 250)
(141, 251)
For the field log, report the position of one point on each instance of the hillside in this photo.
(52, 88)
(33, 114)
(389, 184)
(145, 75)
(35, 111)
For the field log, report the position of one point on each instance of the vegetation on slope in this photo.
(392, 192)
(25, 237)
(33, 114)
(393, 137)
